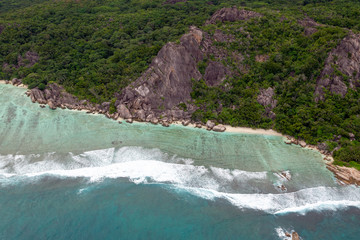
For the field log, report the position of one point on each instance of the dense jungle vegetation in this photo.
(95, 48)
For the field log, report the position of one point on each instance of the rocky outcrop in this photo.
(167, 82)
(309, 26)
(215, 73)
(231, 15)
(262, 58)
(342, 68)
(210, 125)
(219, 128)
(28, 60)
(56, 96)
(162, 93)
(173, 1)
(345, 175)
(266, 98)
(219, 36)
(295, 236)
(16, 82)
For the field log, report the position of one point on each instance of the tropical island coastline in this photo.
(344, 175)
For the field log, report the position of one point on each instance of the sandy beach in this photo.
(21, 85)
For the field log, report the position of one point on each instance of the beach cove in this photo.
(144, 175)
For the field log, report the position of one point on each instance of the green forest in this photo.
(96, 48)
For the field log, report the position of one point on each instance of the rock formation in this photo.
(219, 36)
(56, 96)
(162, 93)
(173, 1)
(231, 15)
(167, 82)
(265, 98)
(345, 175)
(309, 26)
(295, 236)
(28, 60)
(215, 73)
(219, 128)
(346, 58)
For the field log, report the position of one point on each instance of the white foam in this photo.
(143, 166)
(320, 206)
(301, 202)
(281, 232)
(36, 163)
(230, 175)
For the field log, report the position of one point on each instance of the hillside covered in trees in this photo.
(293, 66)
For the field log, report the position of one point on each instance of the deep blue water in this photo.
(69, 175)
(53, 208)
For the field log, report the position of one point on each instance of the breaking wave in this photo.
(245, 190)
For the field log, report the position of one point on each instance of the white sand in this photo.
(243, 130)
(252, 131)
(20, 86)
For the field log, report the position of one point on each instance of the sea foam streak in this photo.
(143, 166)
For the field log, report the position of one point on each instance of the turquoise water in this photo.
(70, 175)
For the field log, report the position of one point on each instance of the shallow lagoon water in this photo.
(68, 174)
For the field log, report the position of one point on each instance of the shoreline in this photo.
(229, 128)
(6, 82)
(344, 175)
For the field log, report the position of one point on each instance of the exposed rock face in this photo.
(123, 111)
(309, 26)
(346, 58)
(345, 175)
(155, 96)
(56, 96)
(215, 73)
(265, 98)
(167, 82)
(262, 58)
(352, 136)
(231, 15)
(16, 82)
(37, 95)
(28, 60)
(219, 36)
(173, 1)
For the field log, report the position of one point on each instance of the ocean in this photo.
(71, 175)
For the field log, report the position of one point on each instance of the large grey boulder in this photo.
(37, 95)
(219, 128)
(210, 124)
(124, 111)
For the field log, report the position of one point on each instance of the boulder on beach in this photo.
(51, 105)
(124, 111)
(219, 128)
(186, 122)
(210, 124)
(302, 143)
